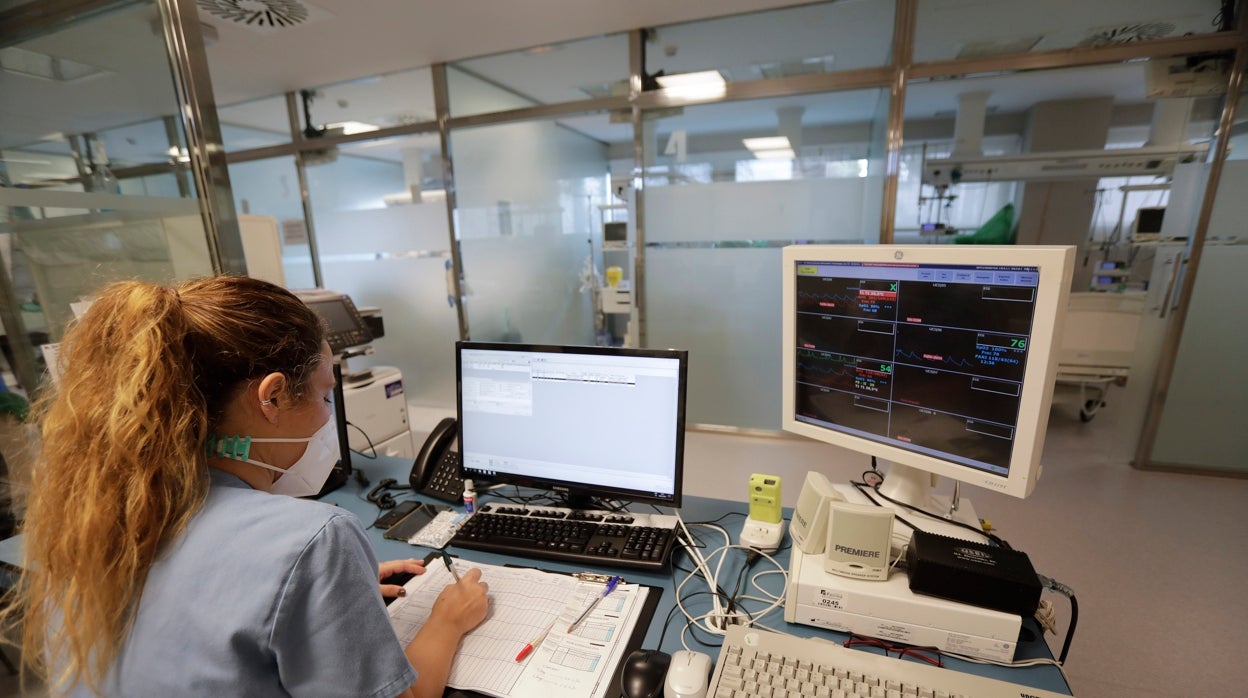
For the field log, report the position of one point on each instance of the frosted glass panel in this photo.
(395, 259)
(726, 186)
(1202, 422)
(804, 209)
(1202, 419)
(723, 306)
(528, 196)
(393, 256)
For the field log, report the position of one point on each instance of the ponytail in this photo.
(145, 375)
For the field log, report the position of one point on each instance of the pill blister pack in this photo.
(438, 532)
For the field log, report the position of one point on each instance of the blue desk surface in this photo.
(352, 497)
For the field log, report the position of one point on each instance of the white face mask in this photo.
(306, 476)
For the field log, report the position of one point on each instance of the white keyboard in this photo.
(758, 663)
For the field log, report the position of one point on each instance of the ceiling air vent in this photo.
(1127, 33)
(261, 15)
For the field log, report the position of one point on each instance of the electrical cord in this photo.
(1054, 585)
(371, 447)
(1020, 663)
(724, 606)
(863, 487)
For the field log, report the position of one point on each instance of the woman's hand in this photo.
(463, 605)
(393, 567)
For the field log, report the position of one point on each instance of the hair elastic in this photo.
(232, 447)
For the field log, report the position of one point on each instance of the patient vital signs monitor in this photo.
(938, 358)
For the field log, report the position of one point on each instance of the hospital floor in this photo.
(1157, 560)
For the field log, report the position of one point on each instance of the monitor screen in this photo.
(940, 358)
(344, 327)
(587, 422)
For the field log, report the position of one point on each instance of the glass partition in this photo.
(528, 222)
(382, 234)
(726, 186)
(1202, 413)
(271, 188)
(803, 40)
(90, 167)
(254, 124)
(371, 103)
(951, 29)
(1089, 157)
(568, 71)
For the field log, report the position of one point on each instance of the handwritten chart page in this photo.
(523, 603)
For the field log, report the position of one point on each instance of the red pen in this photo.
(534, 643)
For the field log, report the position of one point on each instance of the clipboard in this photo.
(645, 615)
(634, 642)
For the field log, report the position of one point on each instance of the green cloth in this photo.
(14, 404)
(999, 230)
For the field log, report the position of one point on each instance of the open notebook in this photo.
(523, 603)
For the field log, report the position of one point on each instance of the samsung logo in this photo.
(858, 552)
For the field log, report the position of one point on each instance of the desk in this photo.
(351, 496)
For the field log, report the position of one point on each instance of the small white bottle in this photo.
(470, 497)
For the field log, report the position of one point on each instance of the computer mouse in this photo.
(688, 675)
(643, 673)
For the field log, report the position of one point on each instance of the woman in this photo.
(162, 556)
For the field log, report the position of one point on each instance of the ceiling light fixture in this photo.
(706, 84)
(351, 127)
(768, 143)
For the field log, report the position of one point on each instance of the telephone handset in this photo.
(436, 471)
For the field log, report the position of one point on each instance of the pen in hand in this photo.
(446, 560)
(610, 588)
(534, 643)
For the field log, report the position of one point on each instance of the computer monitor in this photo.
(938, 358)
(1148, 220)
(589, 423)
(344, 327)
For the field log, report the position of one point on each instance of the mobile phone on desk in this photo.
(411, 524)
(397, 514)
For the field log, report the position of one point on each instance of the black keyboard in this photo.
(638, 541)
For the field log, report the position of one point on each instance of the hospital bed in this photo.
(1098, 340)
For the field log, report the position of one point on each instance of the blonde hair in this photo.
(145, 376)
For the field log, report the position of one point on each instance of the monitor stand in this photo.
(578, 501)
(342, 469)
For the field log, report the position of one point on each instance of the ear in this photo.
(270, 389)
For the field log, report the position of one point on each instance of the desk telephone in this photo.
(436, 471)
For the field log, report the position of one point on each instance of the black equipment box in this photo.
(972, 573)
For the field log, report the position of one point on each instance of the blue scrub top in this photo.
(262, 595)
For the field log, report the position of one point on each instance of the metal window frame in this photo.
(209, 161)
